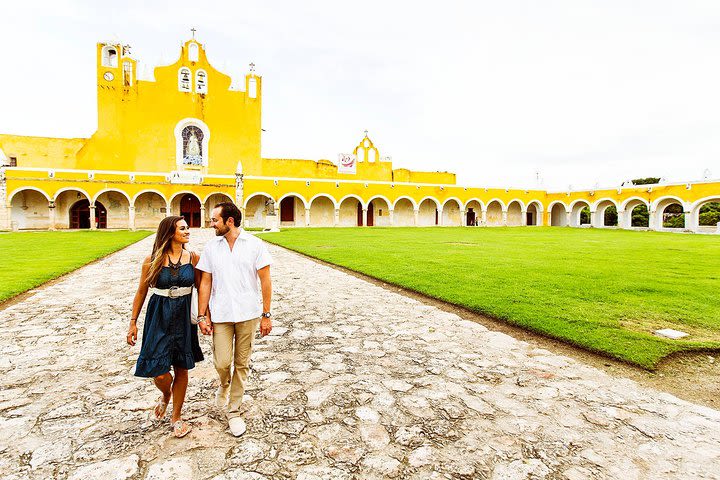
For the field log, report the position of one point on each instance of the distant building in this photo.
(186, 141)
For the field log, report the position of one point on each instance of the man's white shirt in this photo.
(235, 295)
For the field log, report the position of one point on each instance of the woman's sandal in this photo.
(181, 428)
(160, 408)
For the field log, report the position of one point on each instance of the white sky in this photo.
(586, 92)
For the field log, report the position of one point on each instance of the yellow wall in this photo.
(136, 123)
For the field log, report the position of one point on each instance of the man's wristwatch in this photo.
(201, 318)
(266, 315)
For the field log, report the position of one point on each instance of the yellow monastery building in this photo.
(187, 140)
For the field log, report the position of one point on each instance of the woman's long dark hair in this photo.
(161, 247)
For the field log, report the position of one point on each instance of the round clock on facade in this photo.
(108, 76)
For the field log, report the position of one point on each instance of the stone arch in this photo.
(428, 209)
(79, 214)
(328, 196)
(602, 217)
(256, 209)
(351, 195)
(451, 212)
(558, 214)
(576, 209)
(534, 213)
(160, 194)
(71, 189)
(494, 213)
(660, 216)
(473, 212)
(187, 205)
(350, 209)
(378, 211)
(292, 211)
(117, 205)
(64, 199)
(151, 207)
(633, 202)
(696, 223)
(322, 211)
(16, 191)
(628, 206)
(29, 209)
(515, 209)
(409, 199)
(404, 212)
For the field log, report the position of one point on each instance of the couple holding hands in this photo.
(226, 276)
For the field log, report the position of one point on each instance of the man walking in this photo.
(231, 265)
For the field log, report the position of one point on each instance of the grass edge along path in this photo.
(605, 337)
(31, 259)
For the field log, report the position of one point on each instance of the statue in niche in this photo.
(270, 207)
(192, 145)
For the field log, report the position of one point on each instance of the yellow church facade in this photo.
(189, 139)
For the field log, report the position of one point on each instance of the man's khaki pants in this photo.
(241, 336)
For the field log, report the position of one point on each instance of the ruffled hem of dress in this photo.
(154, 367)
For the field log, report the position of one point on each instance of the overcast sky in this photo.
(585, 92)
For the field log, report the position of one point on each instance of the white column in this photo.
(392, 217)
(416, 215)
(168, 210)
(51, 215)
(689, 226)
(307, 217)
(202, 216)
(131, 218)
(463, 218)
(483, 218)
(654, 222)
(568, 217)
(92, 217)
(593, 218)
(440, 217)
(337, 217)
(365, 217)
(624, 218)
(523, 218)
(504, 218)
(540, 217)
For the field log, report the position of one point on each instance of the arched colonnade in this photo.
(75, 208)
(323, 210)
(32, 208)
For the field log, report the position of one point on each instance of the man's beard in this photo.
(219, 232)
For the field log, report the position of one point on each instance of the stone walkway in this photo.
(355, 382)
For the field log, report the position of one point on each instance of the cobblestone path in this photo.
(355, 382)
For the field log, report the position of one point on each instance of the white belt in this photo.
(172, 292)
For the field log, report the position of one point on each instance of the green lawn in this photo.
(32, 258)
(604, 290)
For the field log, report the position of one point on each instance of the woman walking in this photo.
(169, 339)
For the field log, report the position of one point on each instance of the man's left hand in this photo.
(265, 326)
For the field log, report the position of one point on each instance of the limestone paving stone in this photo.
(333, 393)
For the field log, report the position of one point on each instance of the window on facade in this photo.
(110, 57)
(201, 81)
(13, 161)
(184, 84)
(192, 138)
(193, 52)
(127, 74)
(252, 88)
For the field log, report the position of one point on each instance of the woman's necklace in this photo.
(174, 267)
